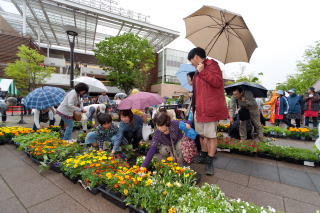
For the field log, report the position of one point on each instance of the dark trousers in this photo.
(284, 121)
(134, 137)
(4, 116)
(314, 121)
(297, 122)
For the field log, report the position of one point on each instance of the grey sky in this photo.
(283, 29)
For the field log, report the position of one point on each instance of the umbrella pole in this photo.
(21, 116)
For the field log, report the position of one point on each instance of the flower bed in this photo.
(52, 152)
(269, 150)
(294, 133)
(7, 133)
(223, 127)
(24, 140)
(209, 198)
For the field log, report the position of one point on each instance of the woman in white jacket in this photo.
(70, 104)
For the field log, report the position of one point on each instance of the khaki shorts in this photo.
(206, 129)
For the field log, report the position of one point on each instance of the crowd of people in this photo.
(209, 105)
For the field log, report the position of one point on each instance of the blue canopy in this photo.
(184, 69)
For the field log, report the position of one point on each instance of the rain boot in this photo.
(202, 158)
(209, 170)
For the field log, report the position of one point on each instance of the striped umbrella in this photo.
(44, 97)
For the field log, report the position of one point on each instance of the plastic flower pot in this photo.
(94, 190)
(132, 209)
(73, 180)
(113, 197)
(36, 161)
(55, 166)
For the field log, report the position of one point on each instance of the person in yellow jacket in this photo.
(138, 111)
(272, 103)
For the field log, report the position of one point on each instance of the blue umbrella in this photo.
(44, 97)
(184, 69)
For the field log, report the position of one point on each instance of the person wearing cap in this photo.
(294, 111)
(281, 108)
(311, 107)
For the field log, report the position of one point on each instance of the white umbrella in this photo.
(94, 84)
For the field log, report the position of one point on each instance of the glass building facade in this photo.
(169, 61)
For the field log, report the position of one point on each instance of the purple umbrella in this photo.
(140, 100)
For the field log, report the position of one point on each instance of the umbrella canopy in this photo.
(224, 35)
(44, 97)
(140, 100)
(184, 69)
(120, 95)
(94, 84)
(257, 90)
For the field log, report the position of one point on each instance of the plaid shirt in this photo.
(106, 134)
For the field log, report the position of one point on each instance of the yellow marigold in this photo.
(125, 192)
(148, 182)
(169, 158)
(172, 210)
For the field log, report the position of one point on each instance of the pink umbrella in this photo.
(140, 100)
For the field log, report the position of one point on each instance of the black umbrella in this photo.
(257, 90)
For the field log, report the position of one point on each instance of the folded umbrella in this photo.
(184, 69)
(120, 95)
(44, 97)
(257, 90)
(94, 84)
(140, 100)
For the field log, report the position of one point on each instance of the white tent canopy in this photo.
(9, 86)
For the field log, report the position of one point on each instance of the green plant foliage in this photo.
(127, 59)
(29, 71)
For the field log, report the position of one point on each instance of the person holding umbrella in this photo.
(44, 116)
(208, 103)
(70, 105)
(244, 104)
(311, 107)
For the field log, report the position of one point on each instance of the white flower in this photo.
(177, 184)
(244, 211)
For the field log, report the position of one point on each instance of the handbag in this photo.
(244, 114)
(188, 149)
(44, 117)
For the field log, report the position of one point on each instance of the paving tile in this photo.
(232, 176)
(269, 172)
(296, 178)
(5, 192)
(315, 179)
(58, 179)
(264, 185)
(294, 206)
(232, 190)
(221, 162)
(240, 166)
(98, 204)
(8, 160)
(78, 193)
(262, 198)
(36, 190)
(62, 204)
(20, 173)
(300, 194)
(11, 205)
(208, 179)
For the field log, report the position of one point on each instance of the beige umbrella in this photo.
(223, 34)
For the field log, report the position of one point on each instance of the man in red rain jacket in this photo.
(209, 104)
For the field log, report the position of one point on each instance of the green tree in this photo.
(28, 71)
(128, 60)
(308, 71)
(249, 78)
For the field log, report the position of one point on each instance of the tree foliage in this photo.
(248, 78)
(308, 71)
(128, 60)
(28, 71)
